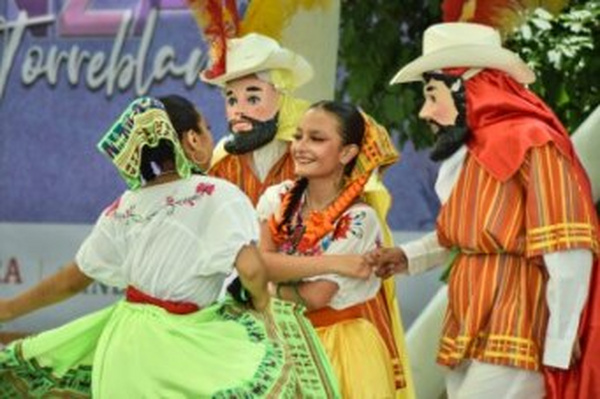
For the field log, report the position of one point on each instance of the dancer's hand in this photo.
(386, 262)
(353, 266)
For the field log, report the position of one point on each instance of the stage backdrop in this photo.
(67, 70)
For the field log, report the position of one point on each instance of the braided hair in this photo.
(352, 131)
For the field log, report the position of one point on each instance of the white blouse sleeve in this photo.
(357, 231)
(99, 257)
(232, 226)
(270, 201)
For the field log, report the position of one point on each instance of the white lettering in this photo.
(100, 70)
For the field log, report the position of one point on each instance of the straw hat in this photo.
(461, 44)
(254, 53)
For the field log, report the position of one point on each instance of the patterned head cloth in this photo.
(377, 150)
(144, 123)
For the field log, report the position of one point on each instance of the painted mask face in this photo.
(252, 107)
(317, 148)
(446, 118)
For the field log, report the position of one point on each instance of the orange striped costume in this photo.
(497, 311)
(235, 168)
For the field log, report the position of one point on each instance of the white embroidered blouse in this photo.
(175, 241)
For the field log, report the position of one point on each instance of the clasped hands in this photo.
(384, 262)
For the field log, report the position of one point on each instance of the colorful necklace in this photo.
(318, 223)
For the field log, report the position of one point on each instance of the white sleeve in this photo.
(357, 231)
(424, 253)
(270, 201)
(566, 294)
(233, 225)
(99, 256)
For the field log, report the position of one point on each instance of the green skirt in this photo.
(142, 351)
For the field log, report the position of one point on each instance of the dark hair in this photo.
(183, 116)
(351, 122)
(459, 95)
(351, 129)
(182, 113)
(159, 155)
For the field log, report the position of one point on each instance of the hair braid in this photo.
(292, 203)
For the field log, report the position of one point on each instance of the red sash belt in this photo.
(327, 316)
(134, 295)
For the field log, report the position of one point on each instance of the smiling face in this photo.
(249, 97)
(317, 149)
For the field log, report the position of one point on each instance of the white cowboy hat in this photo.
(462, 44)
(254, 53)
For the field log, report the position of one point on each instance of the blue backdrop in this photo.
(68, 69)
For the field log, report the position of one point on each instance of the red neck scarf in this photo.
(506, 120)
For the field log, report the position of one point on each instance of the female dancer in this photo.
(169, 241)
(321, 218)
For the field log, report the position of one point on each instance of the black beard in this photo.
(261, 133)
(449, 140)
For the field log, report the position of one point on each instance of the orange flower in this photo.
(318, 224)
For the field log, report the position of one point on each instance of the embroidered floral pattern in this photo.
(112, 208)
(205, 188)
(320, 223)
(171, 204)
(350, 224)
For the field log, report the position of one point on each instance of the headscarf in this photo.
(144, 123)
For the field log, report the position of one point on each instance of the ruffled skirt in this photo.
(142, 351)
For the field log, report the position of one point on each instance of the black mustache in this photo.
(261, 133)
(245, 118)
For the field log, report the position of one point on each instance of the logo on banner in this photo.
(10, 272)
(111, 70)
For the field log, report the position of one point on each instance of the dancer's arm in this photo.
(253, 275)
(283, 268)
(313, 294)
(62, 285)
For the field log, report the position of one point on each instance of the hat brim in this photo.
(466, 56)
(301, 70)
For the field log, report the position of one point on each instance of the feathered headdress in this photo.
(219, 20)
(504, 15)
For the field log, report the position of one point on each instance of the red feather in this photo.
(452, 10)
(503, 15)
(218, 20)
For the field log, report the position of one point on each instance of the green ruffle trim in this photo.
(20, 378)
(293, 352)
(263, 383)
